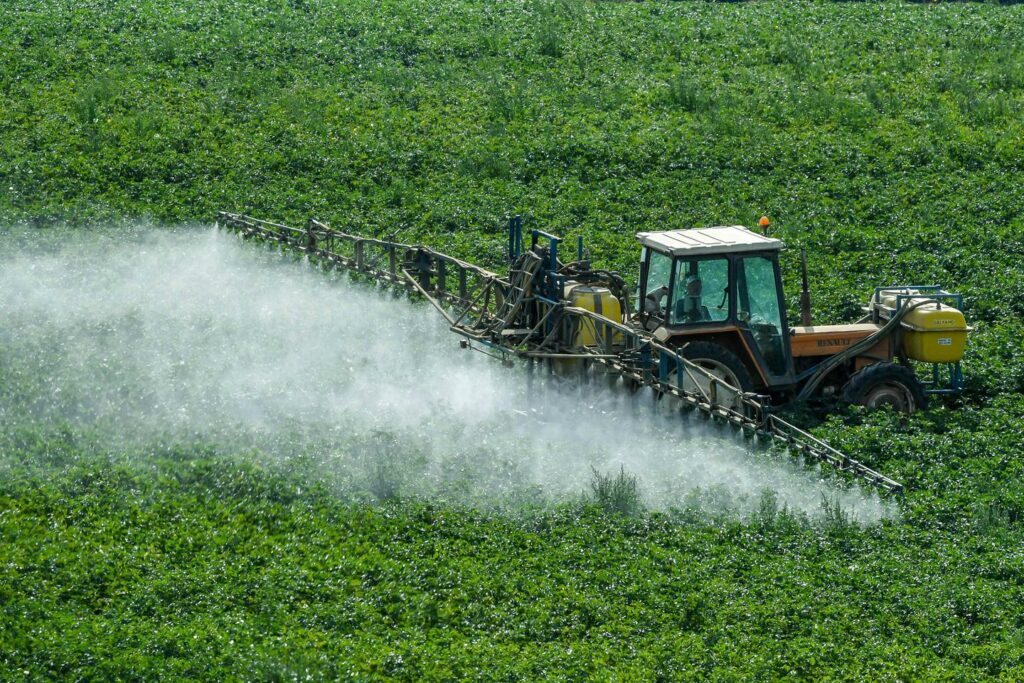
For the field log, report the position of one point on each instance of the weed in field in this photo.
(549, 41)
(383, 462)
(683, 92)
(92, 99)
(616, 493)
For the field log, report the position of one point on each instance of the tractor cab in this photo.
(719, 287)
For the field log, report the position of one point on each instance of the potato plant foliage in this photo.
(886, 138)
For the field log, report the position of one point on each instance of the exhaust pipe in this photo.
(805, 292)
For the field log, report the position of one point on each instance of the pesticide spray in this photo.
(191, 337)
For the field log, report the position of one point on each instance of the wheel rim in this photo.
(896, 396)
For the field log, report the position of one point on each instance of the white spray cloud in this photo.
(192, 335)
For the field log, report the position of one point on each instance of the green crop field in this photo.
(885, 138)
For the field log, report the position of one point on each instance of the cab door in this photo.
(760, 314)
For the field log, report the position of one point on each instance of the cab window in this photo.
(659, 277)
(701, 291)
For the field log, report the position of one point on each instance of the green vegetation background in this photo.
(888, 139)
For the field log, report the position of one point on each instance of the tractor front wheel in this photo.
(720, 363)
(886, 384)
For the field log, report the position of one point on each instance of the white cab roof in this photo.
(721, 240)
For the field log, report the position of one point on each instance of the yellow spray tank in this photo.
(600, 300)
(933, 332)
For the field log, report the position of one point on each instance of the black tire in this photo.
(716, 356)
(886, 384)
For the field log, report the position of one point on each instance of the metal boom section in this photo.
(511, 315)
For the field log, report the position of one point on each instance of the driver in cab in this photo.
(690, 308)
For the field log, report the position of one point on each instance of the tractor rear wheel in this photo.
(886, 384)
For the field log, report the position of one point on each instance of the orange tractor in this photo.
(716, 294)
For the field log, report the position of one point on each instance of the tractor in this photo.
(716, 295)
